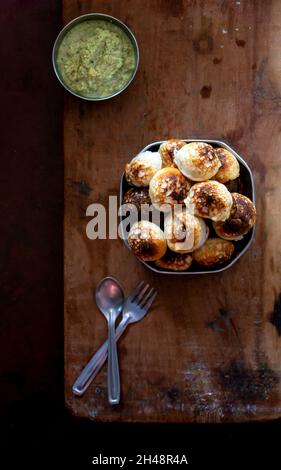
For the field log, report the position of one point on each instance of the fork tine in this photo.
(150, 301)
(136, 291)
(146, 297)
(140, 296)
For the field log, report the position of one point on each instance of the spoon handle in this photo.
(96, 362)
(113, 378)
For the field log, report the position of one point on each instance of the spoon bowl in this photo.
(110, 297)
(110, 301)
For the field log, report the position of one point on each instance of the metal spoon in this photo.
(86, 376)
(110, 300)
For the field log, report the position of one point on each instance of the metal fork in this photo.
(135, 308)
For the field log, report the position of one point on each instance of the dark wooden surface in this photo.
(209, 351)
(34, 424)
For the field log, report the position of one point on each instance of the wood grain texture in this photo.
(209, 351)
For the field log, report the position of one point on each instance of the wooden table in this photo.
(209, 351)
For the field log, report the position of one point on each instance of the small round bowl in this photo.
(94, 16)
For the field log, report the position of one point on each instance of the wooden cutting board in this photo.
(209, 351)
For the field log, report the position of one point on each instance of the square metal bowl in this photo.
(248, 189)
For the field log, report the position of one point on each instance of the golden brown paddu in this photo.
(168, 151)
(215, 251)
(242, 219)
(229, 169)
(175, 261)
(209, 199)
(197, 161)
(168, 187)
(147, 241)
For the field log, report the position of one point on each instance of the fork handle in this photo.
(96, 362)
(113, 377)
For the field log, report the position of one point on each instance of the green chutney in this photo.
(96, 58)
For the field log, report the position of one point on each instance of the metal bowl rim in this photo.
(79, 19)
(246, 247)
